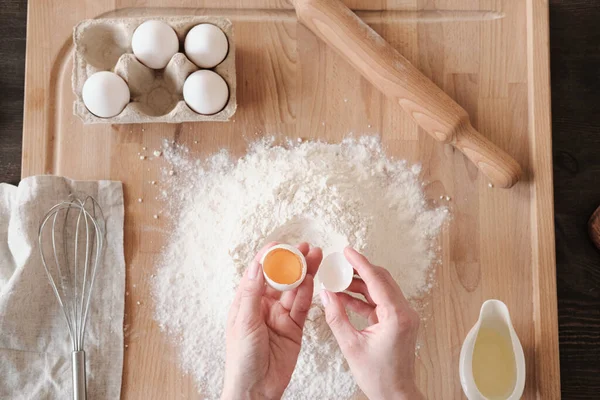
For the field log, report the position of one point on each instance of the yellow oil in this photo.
(494, 366)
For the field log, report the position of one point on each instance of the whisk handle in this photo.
(79, 389)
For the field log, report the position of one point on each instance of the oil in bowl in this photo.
(492, 361)
(494, 366)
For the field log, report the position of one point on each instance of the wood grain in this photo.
(542, 219)
(292, 85)
(576, 123)
(594, 228)
(575, 84)
(382, 65)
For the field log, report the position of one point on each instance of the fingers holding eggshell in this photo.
(313, 260)
(304, 248)
(360, 307)
(235, 305)
(302, 301)
(359, 286)
(378, 280)
(287, 298)
(269, 292)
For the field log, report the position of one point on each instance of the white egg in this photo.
(206, 45)
(105, 94)
(335, 272)
(205, 92)
(154, 43)
(283, 287)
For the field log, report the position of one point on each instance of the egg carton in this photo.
(156, 95)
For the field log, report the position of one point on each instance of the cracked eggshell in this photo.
(282, 287)
(335, 272)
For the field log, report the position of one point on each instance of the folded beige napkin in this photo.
(35, 349)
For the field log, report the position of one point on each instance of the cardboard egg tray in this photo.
(156, 95)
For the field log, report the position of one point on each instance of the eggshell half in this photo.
(282, 286)
(335, 273)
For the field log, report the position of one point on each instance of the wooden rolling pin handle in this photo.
(500, 168)
(398, 79)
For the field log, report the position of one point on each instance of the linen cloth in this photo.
(35, 348)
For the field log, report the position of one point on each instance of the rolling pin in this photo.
(391, 73)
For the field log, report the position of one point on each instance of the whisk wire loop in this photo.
(71, 270)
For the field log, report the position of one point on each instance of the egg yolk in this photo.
(283, 266)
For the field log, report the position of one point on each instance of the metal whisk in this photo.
(71, 239)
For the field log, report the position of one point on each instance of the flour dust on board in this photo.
(330, 195)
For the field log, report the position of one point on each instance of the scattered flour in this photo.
(329, 195)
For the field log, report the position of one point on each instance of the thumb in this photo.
(252, 290)
(337, 319)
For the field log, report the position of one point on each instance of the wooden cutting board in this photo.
(491, 56)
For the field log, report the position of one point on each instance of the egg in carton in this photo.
(156, 95)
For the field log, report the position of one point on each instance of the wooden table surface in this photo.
(575, 63)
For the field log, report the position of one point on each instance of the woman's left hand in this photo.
(264, 331)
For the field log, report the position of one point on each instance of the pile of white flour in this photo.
(329, 195)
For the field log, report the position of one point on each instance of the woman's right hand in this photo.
(382, 356)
